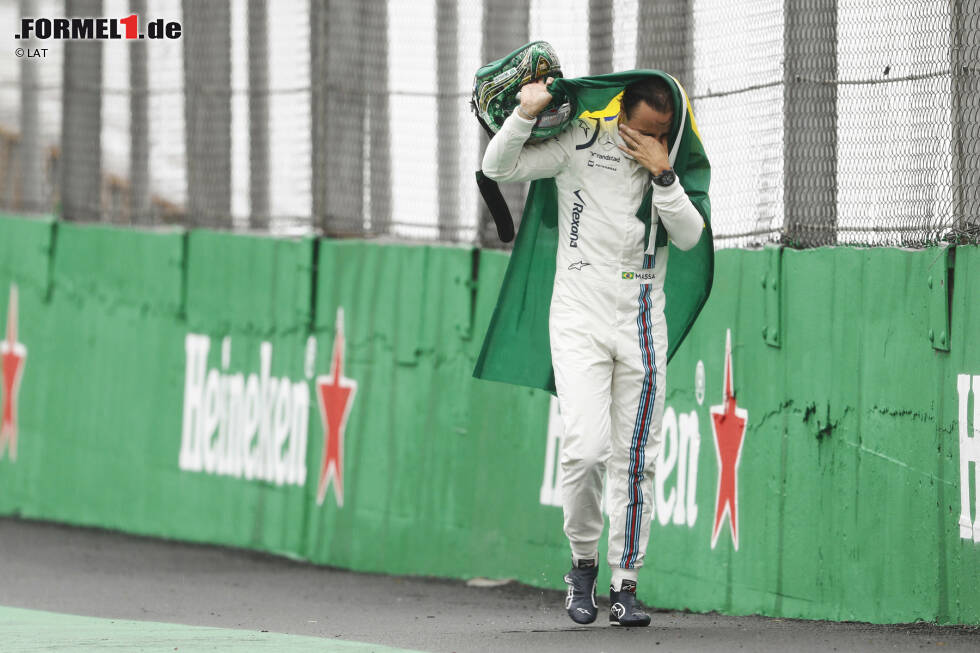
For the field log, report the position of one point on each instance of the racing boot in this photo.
(580, 603)
(624, 609)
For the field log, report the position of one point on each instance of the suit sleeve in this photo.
(679, 216)
(510, 158)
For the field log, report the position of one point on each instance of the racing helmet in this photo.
(497, 84)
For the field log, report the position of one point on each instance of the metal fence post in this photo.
(378, 123)
(207, 111)
(31, 148)
(505, 28)
(139, 126)
(319, 16)
(81, 122)
(965, 70)
(664, 38)
(601, 36)
(343, 119)
(447, 136)
(810, 123)
(258, 114)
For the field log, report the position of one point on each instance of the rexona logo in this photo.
(247, 426)
(577, 209)
(13, 354)
(969, 453)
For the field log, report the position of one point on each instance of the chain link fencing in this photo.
(851, 122)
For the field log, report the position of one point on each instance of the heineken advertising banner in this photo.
(314, 398)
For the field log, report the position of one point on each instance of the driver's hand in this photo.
(535, 97)
(650, 152)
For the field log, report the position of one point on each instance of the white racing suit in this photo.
(607, 327)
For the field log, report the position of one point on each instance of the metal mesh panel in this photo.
(826, 121)
(30, 127)
(894, 123)
(425, 89)
(737, 93)
(165, 119)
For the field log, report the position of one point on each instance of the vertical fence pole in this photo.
(378, 123)
(344, 112)
(81, 122)
(965, 72)
(31, 148)
(447, 103)
(664, 36)
(139, 125)
(810, 123)
(601, 36)
(258, 114)
(505, 28)
(319, 16)
(207, 111)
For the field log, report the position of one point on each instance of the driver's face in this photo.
(647, 120)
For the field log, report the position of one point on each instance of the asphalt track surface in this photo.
(155, 595)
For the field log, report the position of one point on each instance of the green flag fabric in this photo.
(517, 346)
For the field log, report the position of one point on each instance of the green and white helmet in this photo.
(496, 86)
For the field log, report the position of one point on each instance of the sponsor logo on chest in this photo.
(608, 162)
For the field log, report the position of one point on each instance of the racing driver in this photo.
(607, 328)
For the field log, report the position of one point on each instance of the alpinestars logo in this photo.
(728, 424)
(335, 394)
(13, 354)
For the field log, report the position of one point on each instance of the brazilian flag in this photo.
(517, 347)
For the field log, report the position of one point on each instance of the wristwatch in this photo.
(665, 178)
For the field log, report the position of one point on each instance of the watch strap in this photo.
(665, 178)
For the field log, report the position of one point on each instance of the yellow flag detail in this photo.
(611, 110)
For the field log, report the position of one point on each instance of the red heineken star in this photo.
(728, 424)
(335, 394)
(12, 357)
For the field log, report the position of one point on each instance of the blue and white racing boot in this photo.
(581, 602)
(623, 608)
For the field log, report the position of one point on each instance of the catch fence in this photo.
(826, 121)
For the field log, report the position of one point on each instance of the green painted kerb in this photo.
(315, 399)
(32, 630)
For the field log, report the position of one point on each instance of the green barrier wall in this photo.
(189, 385)
(849, 476)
